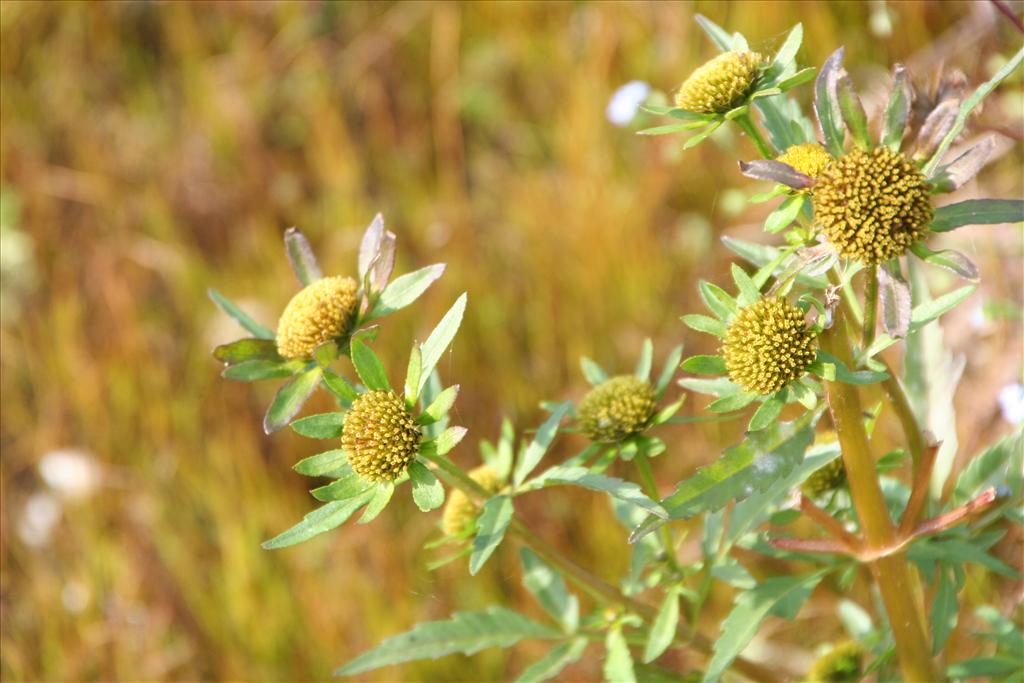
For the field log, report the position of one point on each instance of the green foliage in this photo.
(549, 588)
(490, 531)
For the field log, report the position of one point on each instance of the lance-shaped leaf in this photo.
(776, 172)
(763, 255)
(539, 446)
(894, 297)
(322, 426)
(782, 217)
(440, 338)
(239, 316)
(349, 485)
(643, 365)
(551, 664)
(427, 491)
(719, 36)
(490, 530)
(384, 265)
(783, 60)
(945, 609)
(290, 398)
(951, 260)
(625, 491)
(465, 632)
(247, 350)
(962, 169)
(977, 212)
(618, 661)
(852, 110)
(548, 587)
(254, 370)
(936, 126)
(826, 103)
(322, 463)
(989, 468)
(324, 518)
(780, 596)
(898, 110)
(593, 372)
(742, 470)
(368, 365)
(923, 314)
(663, 630)
(405, 290)
(369, 247)
(301, 257)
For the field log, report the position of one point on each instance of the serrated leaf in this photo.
(625, 491)
(405, 289)
(369, 246)
(538, 446)
(955, 550)
(324, 518)
(239, 316)
(368, 366)
(255, 370)
(776, 172)
(977, 212)
(290, 398)
(465, 632)
(548, 587)
(643, 365)
(663, 630)
(551, 664)
(247, 350)
(898, 110)
(441, 337)
(301, 257)
(427, 491)
(321, 463)
(776, 595)
(618, 662)
(989, 468)
(490, 530)
(945, 609)
(321, 426)
(826, 103)
(894, 300)
(742, 470)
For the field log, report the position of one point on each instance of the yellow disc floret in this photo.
(721, 84)
(616, 408)
(767, 346)
(380, 436)
(843, 664)
(827, 478)
(809, 158)
(460, 511)
(319, 313)
(872, 205)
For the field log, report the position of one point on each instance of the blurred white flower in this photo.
(72, 473)
(625, 102)
(1011, 403)
(38, 519)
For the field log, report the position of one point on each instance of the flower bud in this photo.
(767, 346)
(842, 664)
(380, 436)
(616, 408)
(319, 313)
(460, 511)
(721, 84)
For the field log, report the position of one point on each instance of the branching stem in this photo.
(748, 126)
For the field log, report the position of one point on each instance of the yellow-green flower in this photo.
(872, 205)
(322, 311)
(721, 84)
(460, 511)
(808, 158)
(767, 346)
(380, 436)
(616, 408)
(842, 664)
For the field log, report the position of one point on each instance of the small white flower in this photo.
(1011, 403)
(38, 519)
(72, 473)
(625, 102)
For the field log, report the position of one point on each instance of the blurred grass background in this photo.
(152, 150)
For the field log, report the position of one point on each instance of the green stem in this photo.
(643, 464)
(870, 306)
(892, 573)
(747, 124)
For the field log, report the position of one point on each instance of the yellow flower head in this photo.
(319, 313)
(616, 408)
(721, 84)
(460, 511)
(380, 436)
(872, 205)
(767, 346)
(809, 158)
(842, 664)
(826, 478)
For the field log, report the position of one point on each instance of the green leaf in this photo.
(977, 212)
(490, 530)
(787, 53)
(254, 370)
(744, 469)
(301, 257)
(618, 662)
(766, 414)
(830, 368)
(826, 103)
(989, 468)
(444, 442)
(290, 398)
(441, 337)
(412, 376)
(945, 609)
(349, 485)
(749, 292)
(370, 246)
(718, 386)
(340, 387)
(643, 366)
(240, 316)
(539, 446)
(441, 405)
(247, 350)
(898, 110)
(465, 632)
(663, 630)
(324, 518)
(625, 491)
(669, 370)
(593, 372)
(705, 323)
(551, 664)
(405, 289)
(762, 255)
(717, 299)
(321, 463)
(368, 365)
(799, 78)
(923, 314)
(967, 106)
(853, 111)
(427, 491)
(322, 426)
(703, 135)
(782, 596)
(719, 36)
(705, 365)
(671, 128)
(549, 588)
(984, 667)
(954, 550)
(950, 259)
(731, 402)
(382, 493)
